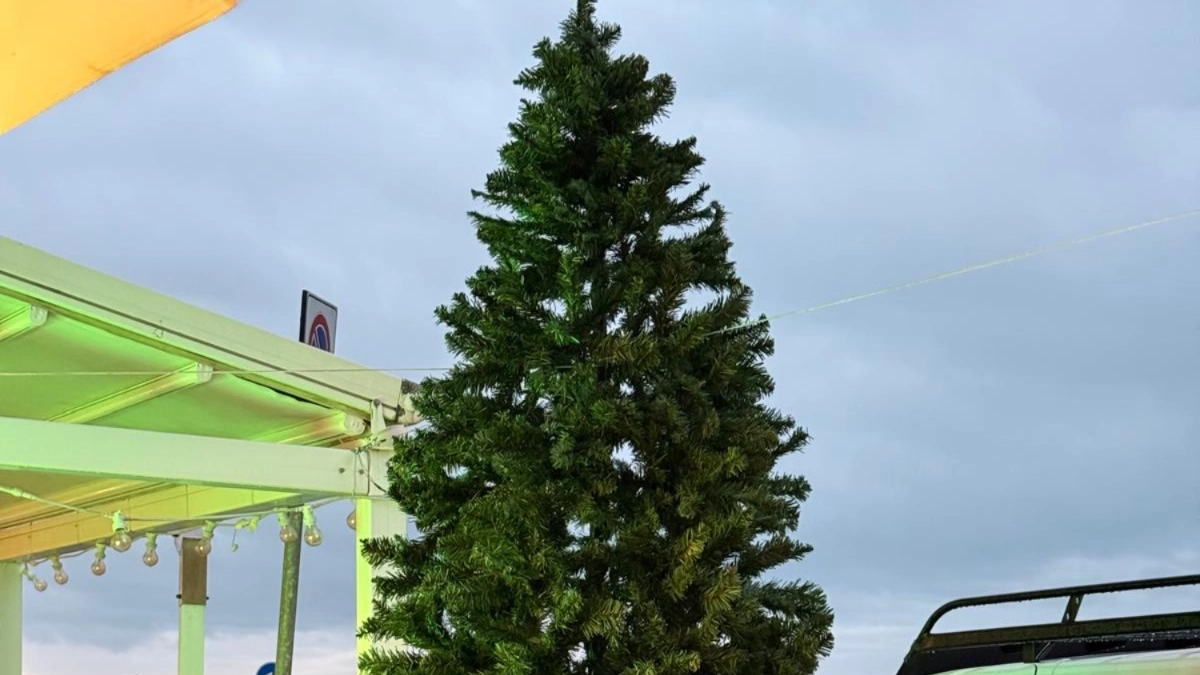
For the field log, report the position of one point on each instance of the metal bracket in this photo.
(382, 434)
(1073, 604)
(406, 411)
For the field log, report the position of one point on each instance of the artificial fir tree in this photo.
(596, 481)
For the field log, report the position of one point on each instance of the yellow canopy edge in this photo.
(50, 49)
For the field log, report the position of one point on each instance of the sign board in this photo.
(267, 669)
(318, 322)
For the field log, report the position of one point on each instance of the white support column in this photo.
(374, 517)
(11, 587)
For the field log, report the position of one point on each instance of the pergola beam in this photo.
(130, 454)
(22, 321)
(192, 375)
(153, 319)
(92, 494)
(335, 427)
(178, 507)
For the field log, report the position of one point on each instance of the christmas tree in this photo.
(596, 480)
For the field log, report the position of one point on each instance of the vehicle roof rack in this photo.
(941, 652)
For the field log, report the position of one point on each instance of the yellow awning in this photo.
(50, 49)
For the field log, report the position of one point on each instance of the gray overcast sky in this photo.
(1028, 425)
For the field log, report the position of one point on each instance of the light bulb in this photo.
(98, 566)
(312, 533)
(204, 546)
(121, 541)
(352, 519)
(150, 557)
(38, 584)
(287, 533)
(60, 575)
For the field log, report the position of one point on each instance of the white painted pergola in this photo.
(115, 398)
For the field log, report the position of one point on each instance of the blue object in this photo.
(267, 669)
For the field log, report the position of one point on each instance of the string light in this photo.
(352, 519)
(121, 541)
(122, 537)
(38, 584)
(150, 557)
(60, 575)
(250, 524)
(98, 566)
(287, 533)
(204, 546)
(312, 533)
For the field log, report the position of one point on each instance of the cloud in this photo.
(317, 653)
(1028, 425)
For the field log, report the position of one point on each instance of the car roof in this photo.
(1172, 662)
(1167, 642)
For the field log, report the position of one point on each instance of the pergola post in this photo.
(193, 600)
(289, 594)
(11, 588)
(374, 517)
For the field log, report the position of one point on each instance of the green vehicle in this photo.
(1156, 644)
